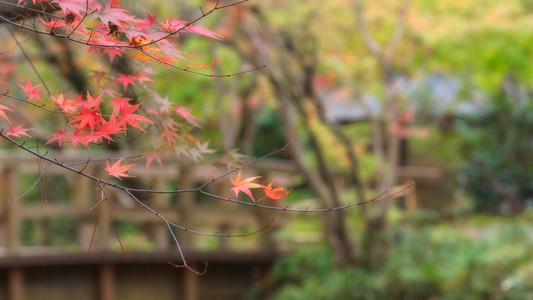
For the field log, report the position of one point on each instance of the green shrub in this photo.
(480, 258)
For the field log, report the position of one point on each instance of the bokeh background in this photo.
(375, 96)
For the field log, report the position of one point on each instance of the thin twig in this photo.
(29, 61)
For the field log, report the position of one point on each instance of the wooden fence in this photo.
(49, 223)
(47, 226)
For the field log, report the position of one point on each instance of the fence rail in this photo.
(62, 197)
(46, 223)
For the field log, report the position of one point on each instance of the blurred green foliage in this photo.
(474, 258)
(496, 145)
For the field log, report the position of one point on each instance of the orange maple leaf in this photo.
(276, 193)
(117, 170)
(202, 66)
(245, 185)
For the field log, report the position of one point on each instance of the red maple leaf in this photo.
(71, 6)
(128, 117)
(170, 49)
(186, 114)
(3, 114)
(88, 117)
(146, 23)
(110, 51)
(108, 128)
(276, 193)
(117, 170)
(174, 25)
(58, 136)
(120, 104)
(52, 23)
(89, 114)
(126, 80)
(93, 102)
(66, 105)
(31, 91)
(154, 155)
(18, 131)
(80, 137)
(114, 16)
(203, 31)
(141, 77)
(245, 185)
(169, 135)
(108, 91)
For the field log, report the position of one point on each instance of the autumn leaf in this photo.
(99, 76)
(154, 155)
(142, 77)
(52, 23)
(175, 25)
(201, 148)
(276, 193)
(128, 117)
(117, 170)
(170, 136)
(66, 105)
(112, 52)
(119, 104)
(31, 91)
(58, 136)
(202, 66)
(125, 80)
(18, 131)
(87, 118)
(117, 16)
(80, 137)
(108, 128)
(3, 114)
(71, 6)
(92, 102)
(203, 31)
(245, 185)
(185, 113)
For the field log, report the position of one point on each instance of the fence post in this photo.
(81, 198)
(107, 281)
(264, 216)
(103, 228)
(11, 208)
(185, 203)
(15, 283)
(190, 285)
(159, 229)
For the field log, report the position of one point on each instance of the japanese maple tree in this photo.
(109, 109)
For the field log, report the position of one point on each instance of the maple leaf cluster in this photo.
(98, 115)
(113, 31)
(244, 185)
(115, 102)
(175, 123)
(89, 124)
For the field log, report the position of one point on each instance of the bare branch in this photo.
(361, 24)
(398, 30)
